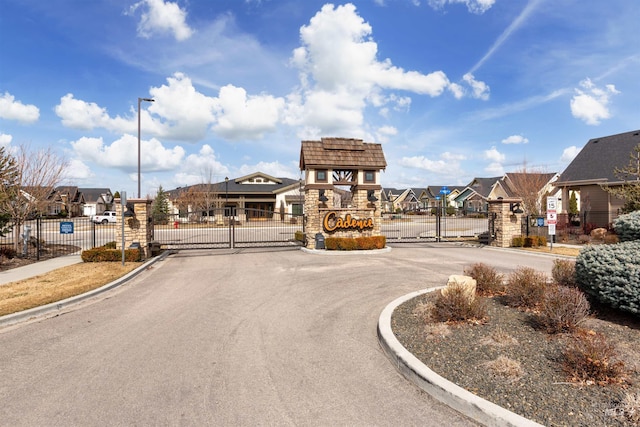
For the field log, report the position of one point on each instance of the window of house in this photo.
(321, 175)
(296, 209)
(369, 176)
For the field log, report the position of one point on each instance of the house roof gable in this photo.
(599, 157)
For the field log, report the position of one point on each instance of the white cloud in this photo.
(515, 139)
(569, 153)
(201, 167)
(495, 168)
(78, 114)
(182, 113)
(384, 132)
(187, 114)
(340, 75)
(76, 171)
(11, 109)
(276, 169)
(496, 158)
(246, 117)
(452, 156)
(479, 89)
(447, 165)
(494, 155)
(122, 154)
(591, 103)
(5, 140)
(474, 6)
(161, 17)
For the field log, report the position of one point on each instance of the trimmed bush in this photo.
(358, 243)
(299, 236)
(563, 309)
(456, 306)
(627, 226)
(517, 241)
(104, 254)
(563, 272)
(530, 242)
(591, 359)
(525, 287)
(542, 241)
(611, 274)
(8, 252)
(488, 280)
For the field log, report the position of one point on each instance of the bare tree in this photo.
(629, 191)
(8, 186)
(530, 186)
(37, 174)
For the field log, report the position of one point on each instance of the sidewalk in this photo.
(38, 268)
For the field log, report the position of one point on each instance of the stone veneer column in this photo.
(315, 213)
(507, 224)
(136, 229)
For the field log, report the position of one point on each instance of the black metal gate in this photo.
(229, 228)
(419, 227)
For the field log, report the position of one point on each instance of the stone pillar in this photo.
(315, 212)
(136, 229)
(507, 224)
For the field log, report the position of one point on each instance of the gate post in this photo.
(138, 228)
(508, 221)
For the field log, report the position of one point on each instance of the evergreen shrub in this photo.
(517, 241)
(627, 226)
(351, 244)
(611, 274)
(105, 254)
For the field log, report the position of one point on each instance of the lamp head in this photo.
(515, 208)
(130, 212)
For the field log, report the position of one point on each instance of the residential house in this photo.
(65, 200)
(96, 200)
(432, 196)
(259, 196)
(593, 168)
(404, 200)
(528, 186)
(474, 197)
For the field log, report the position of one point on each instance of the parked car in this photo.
(105, 217)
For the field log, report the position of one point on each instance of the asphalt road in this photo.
(258, 337)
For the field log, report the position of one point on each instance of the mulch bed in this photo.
(543, 393)
(49, 251)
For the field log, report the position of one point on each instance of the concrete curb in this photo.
(56, 307)
(342, 253)
(450, 394)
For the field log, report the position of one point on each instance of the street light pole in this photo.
(140, 100)
(226, 194)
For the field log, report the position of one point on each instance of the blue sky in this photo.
(453, 89)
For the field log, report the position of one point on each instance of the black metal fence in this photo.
(230, 228)
(42, 238)
(414, 228)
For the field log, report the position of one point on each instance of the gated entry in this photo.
(230, 228)
(415, 228)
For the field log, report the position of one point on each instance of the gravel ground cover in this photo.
(529, 380)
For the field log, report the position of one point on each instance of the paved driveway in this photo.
(251, 338)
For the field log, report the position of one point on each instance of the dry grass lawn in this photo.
(59, 284)
(557, 250)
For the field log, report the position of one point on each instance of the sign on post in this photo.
(66, 227)
(552, 216)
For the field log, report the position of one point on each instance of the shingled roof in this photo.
(345, 153)
(598, 159)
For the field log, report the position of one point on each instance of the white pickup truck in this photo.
(106, 217)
